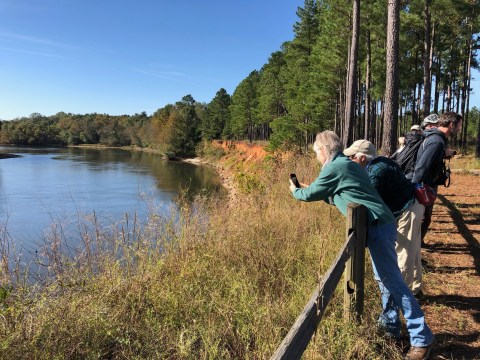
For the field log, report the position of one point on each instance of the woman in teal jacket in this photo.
(342, 181)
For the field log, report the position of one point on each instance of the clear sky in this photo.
(128, 56)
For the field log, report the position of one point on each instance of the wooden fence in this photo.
(352, 259)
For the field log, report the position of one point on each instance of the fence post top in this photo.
(354, 205)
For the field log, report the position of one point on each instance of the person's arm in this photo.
(424, 164)
(321, 188)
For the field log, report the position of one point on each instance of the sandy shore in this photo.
(226, 176)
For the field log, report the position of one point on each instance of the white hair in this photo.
(330, 141)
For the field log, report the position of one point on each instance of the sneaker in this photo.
(420, 353)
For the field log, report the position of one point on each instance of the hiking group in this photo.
(398, 193)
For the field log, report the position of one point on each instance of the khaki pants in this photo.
(408, 246)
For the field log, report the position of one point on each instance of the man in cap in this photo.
(430, 155)
(398, 194)
(430, 121)
(341, 182)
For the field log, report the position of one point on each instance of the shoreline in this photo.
(226, 176)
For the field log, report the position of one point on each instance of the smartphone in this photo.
(294, 179)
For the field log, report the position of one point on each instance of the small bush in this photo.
(207, 149)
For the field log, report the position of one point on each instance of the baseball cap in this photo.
(361, 146)
(415, 127)
(430, 119)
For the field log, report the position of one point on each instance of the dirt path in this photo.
(452, 270)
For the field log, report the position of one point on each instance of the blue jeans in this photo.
(395, 293)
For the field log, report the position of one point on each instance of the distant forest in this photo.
(334, 74)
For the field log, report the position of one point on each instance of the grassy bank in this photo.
(221, 280)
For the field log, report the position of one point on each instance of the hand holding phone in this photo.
(294, 179)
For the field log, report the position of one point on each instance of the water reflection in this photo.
(59, 185)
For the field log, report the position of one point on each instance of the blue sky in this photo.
(125, 57)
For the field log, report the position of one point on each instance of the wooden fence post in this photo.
(351, 258)
(355, 267)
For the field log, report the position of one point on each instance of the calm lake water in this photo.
(44, 186)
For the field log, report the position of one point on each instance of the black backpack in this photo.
(408, 156)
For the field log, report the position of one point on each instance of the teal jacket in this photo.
(343, 181)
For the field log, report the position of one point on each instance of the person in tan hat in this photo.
(398, 194)
(416, 128)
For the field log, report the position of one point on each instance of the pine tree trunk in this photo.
(467, 95)
(358, 115)
(335, 126)
(401, 120)
(427, 84)
(414, 106)
(419, 103)
(437, 91)
(373, 122)
(449, 96)
(477, 152)
(391, 90)
(380, 127)
(352, 72)
(368, 134)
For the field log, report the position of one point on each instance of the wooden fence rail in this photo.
(352, 259)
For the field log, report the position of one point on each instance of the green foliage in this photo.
(186, 132)
(216, 116)
(34, 131)
(473, 123)
(244, 109)
(272, 89)
(206, 149)
(285, 133)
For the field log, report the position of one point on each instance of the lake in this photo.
(44, 186)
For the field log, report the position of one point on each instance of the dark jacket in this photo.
(392, 185)
(407, 158)
(430, 157)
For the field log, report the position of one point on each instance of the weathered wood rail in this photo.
(352, 259)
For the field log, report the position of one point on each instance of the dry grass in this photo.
(214, 281)
(465, 162)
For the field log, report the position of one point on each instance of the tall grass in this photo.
(216, 280)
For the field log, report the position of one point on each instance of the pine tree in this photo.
(352, 75)
(391, 88)
(216, 115)
(244, 108)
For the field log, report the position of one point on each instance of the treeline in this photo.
(313, 82)
(175, 130)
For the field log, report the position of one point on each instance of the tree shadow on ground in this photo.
(473, 245)
(452, 346)
(454, 301)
